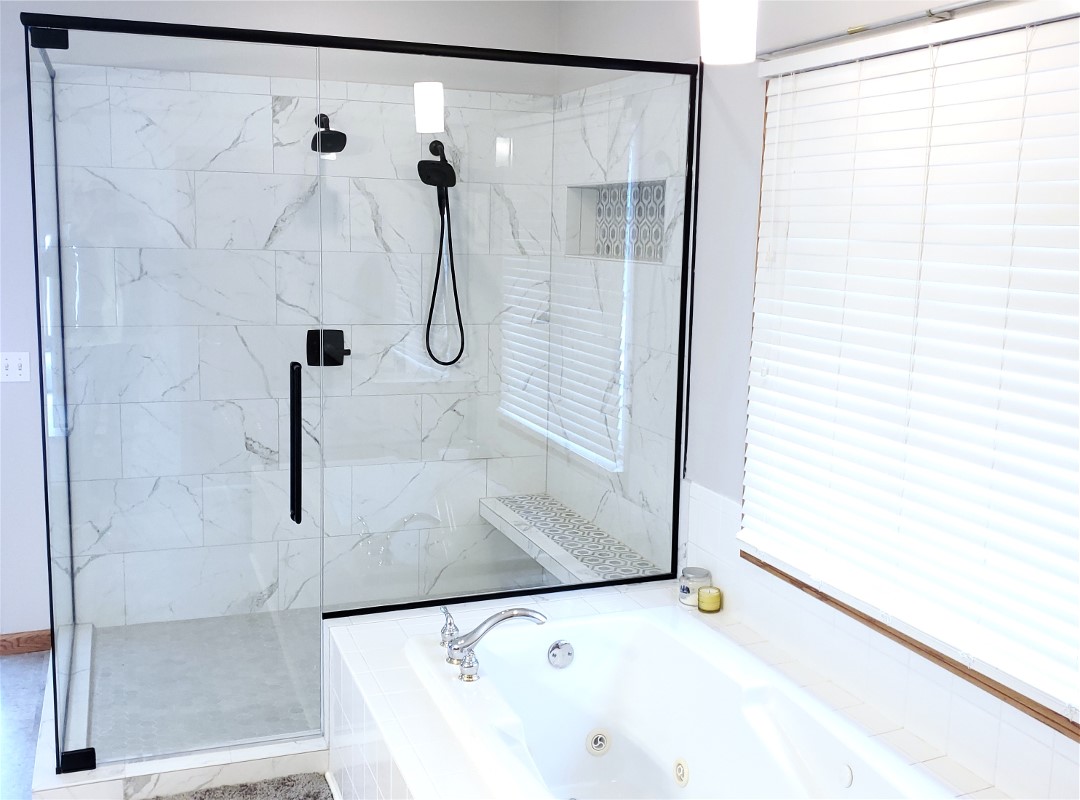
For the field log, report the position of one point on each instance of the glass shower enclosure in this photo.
(308, 354)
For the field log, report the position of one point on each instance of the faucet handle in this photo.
(449, 629)
(470, 667)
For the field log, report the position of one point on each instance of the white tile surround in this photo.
(941, 714)
(387, 741)
(192, 257)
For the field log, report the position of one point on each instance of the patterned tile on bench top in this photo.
(605, 555)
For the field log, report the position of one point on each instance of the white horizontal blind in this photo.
(562, 363)
(912, 443)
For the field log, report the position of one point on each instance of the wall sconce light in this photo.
(428, 105)
(728, 31)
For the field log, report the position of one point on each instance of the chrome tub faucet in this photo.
(459, 650)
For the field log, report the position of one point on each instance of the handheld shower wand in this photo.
(441, 175)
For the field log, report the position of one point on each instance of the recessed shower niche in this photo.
(617, 220)
(215, 492)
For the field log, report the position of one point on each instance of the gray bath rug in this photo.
(311, 786)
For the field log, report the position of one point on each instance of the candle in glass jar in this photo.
(709, 599)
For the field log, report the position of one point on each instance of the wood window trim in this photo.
(1045, 715)
(25, 642)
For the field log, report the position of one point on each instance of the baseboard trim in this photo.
(25, 642)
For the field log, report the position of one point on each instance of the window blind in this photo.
(912, 438)
(562, 363)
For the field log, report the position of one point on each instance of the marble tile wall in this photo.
(630, 129)
(200, 242)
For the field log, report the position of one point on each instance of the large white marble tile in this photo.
(654, 307)
(370, 569)
(380, 93)
(89, 284)
(300, 574)
(393, 359)
(647, 479)
(80, 73)
(371, 289)
(131, 514)
(245, 507)
(309, 87)
(647, 134)
(488, 146)
(199, 437)
(582, 146)
(474, 559)
(82, 125)
(99, 589)
(465, 426)
(233, 84)
(465, 98)
(94, 441)
(393, 497)
(149, 78)
(382, 140)
(470, 217)
(271, 212)
(674, 214)
(201, 582)
(619, 87)
(252, 361)
(167, 129)
(523, 475)
(512, 101)
(106, 207)
(520, 219)
(494, 288)
(299, 287)
(365, 430)
(194, 287)
(131, 364)
(393, 216)
(652, 391)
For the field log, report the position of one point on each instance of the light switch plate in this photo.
(14, 367)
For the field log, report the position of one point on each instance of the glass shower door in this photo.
(190, 271)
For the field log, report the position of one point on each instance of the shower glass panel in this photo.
(179, 278)
(55, 417)
(545, 456)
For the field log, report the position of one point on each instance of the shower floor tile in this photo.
(167, 687)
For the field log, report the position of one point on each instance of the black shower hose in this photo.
(444, 230)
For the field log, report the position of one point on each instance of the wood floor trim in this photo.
(1047, 716)
(25, 642)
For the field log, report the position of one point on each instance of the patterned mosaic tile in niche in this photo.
(630, 217)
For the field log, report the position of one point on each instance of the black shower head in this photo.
(326, 142)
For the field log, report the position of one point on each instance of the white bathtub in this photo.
(661, 687)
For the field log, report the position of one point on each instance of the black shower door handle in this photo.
(295, 442)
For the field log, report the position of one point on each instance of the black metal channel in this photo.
(693, 132)
(348, 43)
(41, 389)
